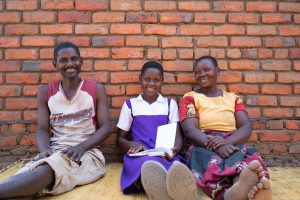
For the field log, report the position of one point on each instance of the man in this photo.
(73, 119)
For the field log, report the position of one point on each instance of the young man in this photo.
(73, 119)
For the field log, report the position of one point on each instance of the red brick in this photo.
(9, 42)
(169, 78)
(117, 102)
(230, 77)
(290, 101)
(159, 5)
(267, 101)
(263, 77)
(10, 90)
(39, 17)
(94, 53)
(101, 77)
(10, 115)
(29, 90)
(261, 30)
(217, 53)
(296, 137)
(193, 6)
(57, 5)
(288, 77)
(105, 41)
(249, 53)
(22, 78)
(1, 5)
(280, 148)
(18, 128)
(273, 42)
(244, 65)
(274, 137)
(212, 42)
(135, 64)
(178, 65)
(265, 53)
(142, 41)
(21, 54)
(9, 17)
(154, 54)
(37, 41)
(210, 18)
(276, 89)
(133, 89)
(295, 148)
(124, 77)
(8, 141)
(263, 148)
(296, 19)
(139, 17)
(91, 29)
(169, 54)
(56, 29)
(177, 42)
(106, 17)
(87, 65)
(125, 5)
(28, 140)
(289, 7)
(253, 137)
(245, 42)
(277, 65)
(276, 18)
(9, 66)
(254, 112)
(115, 90)
(46, 53)
(91, 5)
(21, 5)
(294, 53)
(244, 89)
(110, 65)
(73, 16)
(277, 112)
(233, 53)
(155, 29)
(21, 29)
(232, 6)
(169, 18)
(229, 30)
(281, 53)
(195, 30)
(296, 89)
(125, 28)
(32, 128)
(20, 104)
(292, 124)
(289, 30)
(124, 53)
(186, 53)
(176, 89)
(275, 124)
(260, 6)
(243, 18)
(78, 40)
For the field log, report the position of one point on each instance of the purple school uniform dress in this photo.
(143, 129)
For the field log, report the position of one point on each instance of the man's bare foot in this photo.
(249, 177)
(262, 191)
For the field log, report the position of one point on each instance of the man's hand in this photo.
(214, 142)
(226, 150)
(75, 152)
(135, 147)
(45, 153)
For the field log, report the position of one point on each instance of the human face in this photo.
(206, 73)
(151, 82)
(68, 63)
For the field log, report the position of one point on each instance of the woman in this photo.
(216, 127)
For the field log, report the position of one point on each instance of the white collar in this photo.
(160, 98)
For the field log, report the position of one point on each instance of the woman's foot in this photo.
(181, 183)
(262, 191)
(153, 177)
(249, 177)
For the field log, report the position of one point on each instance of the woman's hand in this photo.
(214, 142)
(75, 152)
(174, 153)
(135, 147)
(226, 150)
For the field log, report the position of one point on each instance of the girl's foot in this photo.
(262, 191)
(249, 177)
(153, 178)
(181, 183)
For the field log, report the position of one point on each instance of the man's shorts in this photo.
(68, 173)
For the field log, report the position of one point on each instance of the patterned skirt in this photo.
(214, 174)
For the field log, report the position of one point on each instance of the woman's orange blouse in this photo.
(214, 113)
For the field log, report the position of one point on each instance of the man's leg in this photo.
(28, 183)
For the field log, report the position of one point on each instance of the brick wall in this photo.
(256, 43)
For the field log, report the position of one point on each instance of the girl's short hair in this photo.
(154, 65)
(212, 59)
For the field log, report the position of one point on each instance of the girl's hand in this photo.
(75, 152)
(170, 157)
(45, 153)
(214, 142)
(226, 150)
(135, 147)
